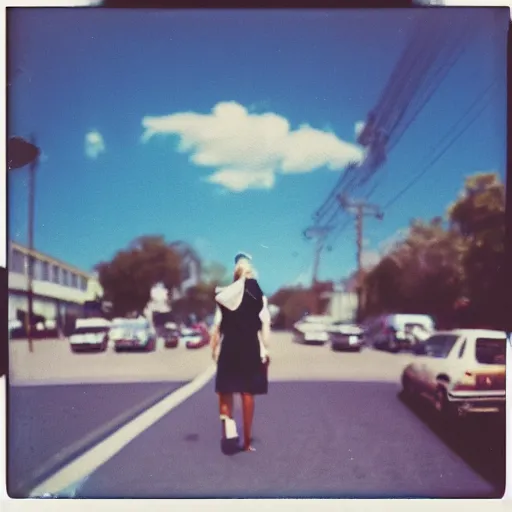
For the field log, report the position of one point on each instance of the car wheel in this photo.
(407, 388)
(447, 414)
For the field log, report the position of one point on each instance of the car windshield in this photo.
(90, 330)
(490, 350)
(412, 326)
(440, 346)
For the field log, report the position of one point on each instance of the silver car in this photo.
(460, 372)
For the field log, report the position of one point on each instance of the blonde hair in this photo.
(243, 268)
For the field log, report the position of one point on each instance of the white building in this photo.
(190, 270)
(342, 304)
(59, 288)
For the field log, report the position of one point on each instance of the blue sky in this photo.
(191, 125)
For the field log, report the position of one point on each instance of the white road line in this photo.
(91, 460)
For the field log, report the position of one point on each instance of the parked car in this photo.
(312, 330)
(345, 336)
(196, 336)
(460, 372)
(132, 334)
(90, 334)
(394, 332)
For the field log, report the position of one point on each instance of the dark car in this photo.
(344, 336)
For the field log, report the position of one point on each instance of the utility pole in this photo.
(360, 209)
(31, 201)
(320, 233)
(21, 153)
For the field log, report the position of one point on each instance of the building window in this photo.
(19, 261)
(36, 269)
(45, 271)
(83, 283)
(55, 274)
(74, 280)
(65, 277)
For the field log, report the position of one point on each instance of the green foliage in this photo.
(435, 264)
(293, 302)
(127, 279)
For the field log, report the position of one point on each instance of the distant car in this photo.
(132, 334)
(394, 332)
(345, 336)
(171, 335)
(196, 336)
(90, 334)
(313, 330)
(460, 372)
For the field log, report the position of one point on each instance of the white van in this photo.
(90, 334)
(398, 332)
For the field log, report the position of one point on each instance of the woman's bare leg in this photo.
(226, 404)
(248, 415)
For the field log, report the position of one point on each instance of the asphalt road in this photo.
(313, 439)
(46, 423)
(332, 425)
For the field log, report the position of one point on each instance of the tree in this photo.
(438, 265)
(293, 302)
(421, 274)
(479, 216)
(127, 279)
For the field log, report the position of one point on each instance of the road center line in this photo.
(91, 460)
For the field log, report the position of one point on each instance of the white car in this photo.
(313, 330)
(132, 334)
(460, 372)
(90, 334)
(394, 332)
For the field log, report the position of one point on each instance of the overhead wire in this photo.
(447, 146)
(436, 158)
(405, 67)
(421, 86)
(456, 51)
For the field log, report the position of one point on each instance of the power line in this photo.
(456, 50)
(443, 151)
(401, 75)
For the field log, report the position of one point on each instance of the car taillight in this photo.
(467, 382)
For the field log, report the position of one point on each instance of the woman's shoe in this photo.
(230, 441)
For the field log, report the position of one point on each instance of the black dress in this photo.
(239, 367)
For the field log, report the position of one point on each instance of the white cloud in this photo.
(94, 144)
(359, 127)
(248, 149)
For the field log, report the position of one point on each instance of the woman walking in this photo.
(239, 342)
